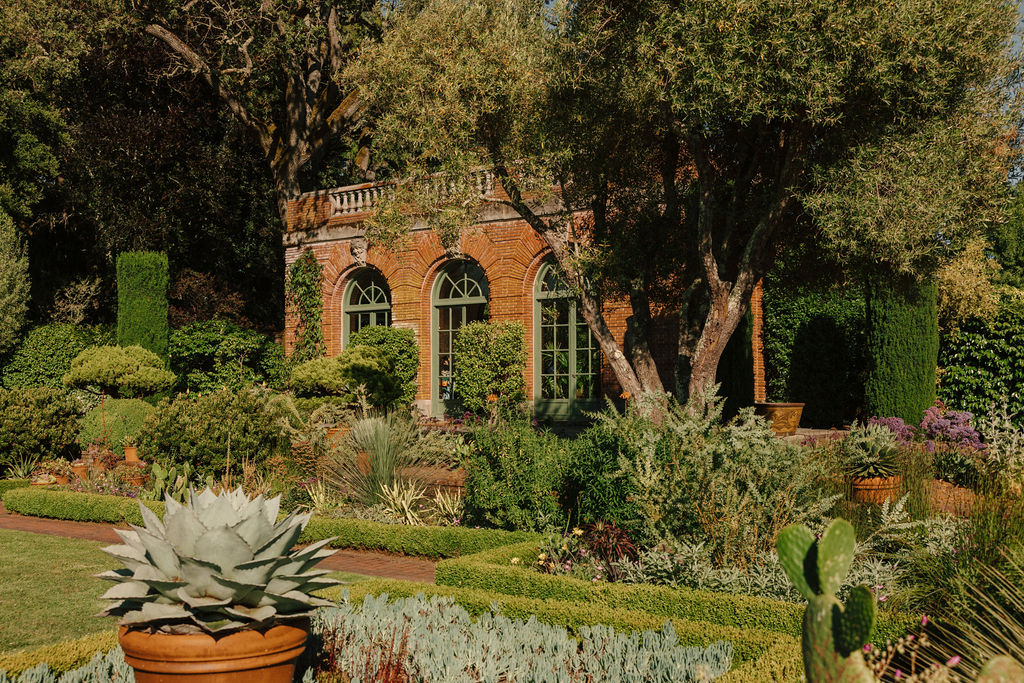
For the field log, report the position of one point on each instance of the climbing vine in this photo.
(305, 297)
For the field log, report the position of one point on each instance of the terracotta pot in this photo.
(785, 417)
(138, 479)
(875, 489)
(241, 657)
(41, 483)
(81, 471)
(61, 480)
(131, 454)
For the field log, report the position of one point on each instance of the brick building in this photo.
(501, 271)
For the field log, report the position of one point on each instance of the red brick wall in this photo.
(509, 251)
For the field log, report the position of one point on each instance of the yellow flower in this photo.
(542, 557)
(515, 560)
(565, 546)
(577, 531)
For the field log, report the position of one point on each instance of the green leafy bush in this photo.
(36, 424)
(217, 354)
(357, 369)
(982, 362)
(489, 360)
(142, 301)
(201, 429)
(119, 371)
(595, 488)
(513, 476)
(731, 485)
(112, 421)
(398, 346)
(304, 296)
(45, 354)
(14, 284)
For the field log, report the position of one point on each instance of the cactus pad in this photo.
(835, 555)
(797, 555)
(852, 627)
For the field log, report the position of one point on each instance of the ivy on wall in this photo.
(304, 294)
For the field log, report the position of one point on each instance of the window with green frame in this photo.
(567, 359)
(367, 302)
(460, 297)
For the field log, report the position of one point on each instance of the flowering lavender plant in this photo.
(942, 426)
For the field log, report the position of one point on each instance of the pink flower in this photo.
(898, 675)
(924, 620)
(953, 661)
(867, 647)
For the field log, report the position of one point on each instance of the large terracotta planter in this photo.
(785, 417)
(131, 454)
(875, 489)
(81, 471)
(241, 657)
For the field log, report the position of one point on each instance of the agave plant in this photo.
(220, 563)
(870, 451)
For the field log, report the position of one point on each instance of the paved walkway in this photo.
(355, 561)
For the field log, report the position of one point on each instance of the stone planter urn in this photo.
(785, 417)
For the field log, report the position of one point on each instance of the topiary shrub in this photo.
(902, 340)
(217, 354)
(513, 476)
(45, 354)
(142, 301)
(398, 346)
(36, 424)
(114, 420)
(357, 369)
(118, 371)
(200, 429)
(490, 359)
(982, 362)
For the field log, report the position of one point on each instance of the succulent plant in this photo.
(833, 633)
(870, 451)
(219, 563)
(168, 483)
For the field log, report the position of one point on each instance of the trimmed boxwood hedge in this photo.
(749, 644)
(424, 541)
(8, 484)
(61, 657)
(492, 571)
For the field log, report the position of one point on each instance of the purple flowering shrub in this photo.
(949, 434)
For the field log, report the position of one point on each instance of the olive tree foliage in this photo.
(662, 149)
(276, 66)
(14, 284)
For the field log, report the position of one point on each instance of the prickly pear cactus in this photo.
(833, 634)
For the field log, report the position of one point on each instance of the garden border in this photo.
(492, 570)
(358, 534)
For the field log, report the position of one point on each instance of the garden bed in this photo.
(420, 541)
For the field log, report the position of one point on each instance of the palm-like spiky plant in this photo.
(220, 563)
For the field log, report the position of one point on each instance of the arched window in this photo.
(567, 359)
(460, 297)
(367, 302)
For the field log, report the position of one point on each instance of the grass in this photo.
(47, 593)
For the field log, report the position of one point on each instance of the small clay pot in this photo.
(240, 657)
(62, 480)
(875, 489)
(131, 454)
(81, 471)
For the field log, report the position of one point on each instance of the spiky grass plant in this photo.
(217, 564)
(379, 452)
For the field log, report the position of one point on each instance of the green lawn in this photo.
(47, 593)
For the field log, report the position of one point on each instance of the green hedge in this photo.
(79, 507)
(749, 644)
(61, 657)
(902, 341)
(142, 301)
(983, 362)
(398, 345)
(8, 484)
(112, 421)
(423, 541)
(493, 571)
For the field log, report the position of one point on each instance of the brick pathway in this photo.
(355, 561)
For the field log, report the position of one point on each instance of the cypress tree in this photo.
(902, 340)
(142, 301)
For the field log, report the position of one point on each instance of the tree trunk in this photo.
(722, 319)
